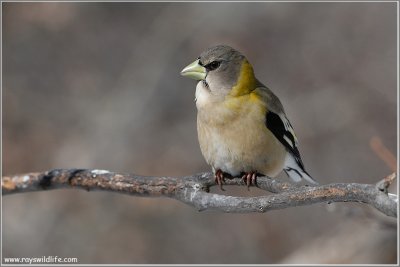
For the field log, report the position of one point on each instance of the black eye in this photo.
(213, 65)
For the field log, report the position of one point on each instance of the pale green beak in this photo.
(195, 71)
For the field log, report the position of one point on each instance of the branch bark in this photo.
(193, 190)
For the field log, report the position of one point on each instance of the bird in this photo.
(242, 127)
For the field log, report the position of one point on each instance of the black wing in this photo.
(283, 131)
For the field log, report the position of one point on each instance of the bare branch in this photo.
(193, 190)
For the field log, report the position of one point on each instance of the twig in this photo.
(193, 190)
(384, 184)
(383, 152)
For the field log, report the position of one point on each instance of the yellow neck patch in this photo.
(246, 81)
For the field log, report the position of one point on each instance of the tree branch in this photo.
(193, 190)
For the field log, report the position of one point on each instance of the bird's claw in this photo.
(250, 178)
(219, 178)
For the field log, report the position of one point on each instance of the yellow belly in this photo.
(233, 137)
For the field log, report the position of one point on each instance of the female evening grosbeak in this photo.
(241, 124)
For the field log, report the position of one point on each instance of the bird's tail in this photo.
(295, 170)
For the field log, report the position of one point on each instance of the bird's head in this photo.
(223, 71)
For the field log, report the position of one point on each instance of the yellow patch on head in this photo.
(246, 81)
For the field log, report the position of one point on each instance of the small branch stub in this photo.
(193, 190)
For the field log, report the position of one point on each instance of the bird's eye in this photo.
(213, 65)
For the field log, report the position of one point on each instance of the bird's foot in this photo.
(250, 178)
(219, 178)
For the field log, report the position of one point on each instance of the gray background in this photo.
(97, 85)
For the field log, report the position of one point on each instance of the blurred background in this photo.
(97, 85)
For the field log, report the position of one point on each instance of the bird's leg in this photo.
(219, 178)
(250, 178)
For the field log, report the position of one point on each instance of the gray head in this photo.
(218, 67)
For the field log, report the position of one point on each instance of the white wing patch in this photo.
(289, 128)
(289, 141)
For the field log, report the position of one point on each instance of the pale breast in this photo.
(235, 139)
